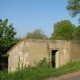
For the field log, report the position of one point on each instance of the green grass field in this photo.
(40, 73)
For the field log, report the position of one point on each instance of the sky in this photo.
(28, 15)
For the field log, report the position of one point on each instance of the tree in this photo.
(78, 32)
(63, 30)
(7, 40)
(36, 34)
(74, 7)
(7, 36)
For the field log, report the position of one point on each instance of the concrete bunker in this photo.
(30, 50)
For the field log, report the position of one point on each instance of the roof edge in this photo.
(17, 44)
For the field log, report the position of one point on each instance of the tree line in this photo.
(63, 30)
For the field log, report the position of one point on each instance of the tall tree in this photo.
(7, 36)
(7, 40)
(63, 30)
(74, 7)
(36, 34)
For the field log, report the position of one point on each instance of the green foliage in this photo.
(36, 34)
(5, 55)
(78, 32)
(7, 39)
(40, 73)
(43, 63)
(64, 30)
(48, 50)
(74, 7)
(7, 36)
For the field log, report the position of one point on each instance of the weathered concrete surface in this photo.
(27, 52)
(74, 50)
(13, 58)
(71, 76)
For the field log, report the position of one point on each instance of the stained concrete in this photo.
(29, 51)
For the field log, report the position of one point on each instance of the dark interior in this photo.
(53, 58)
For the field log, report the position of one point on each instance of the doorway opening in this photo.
(53, 61)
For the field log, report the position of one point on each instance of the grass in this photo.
(40, 73)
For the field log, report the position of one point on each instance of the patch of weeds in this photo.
(43, 63)
(41, 72)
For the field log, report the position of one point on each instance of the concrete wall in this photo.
(74, 50)
(13, 58)
(30, 51)
(63, 47)
(38, 50)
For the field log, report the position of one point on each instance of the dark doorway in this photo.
(53, 58)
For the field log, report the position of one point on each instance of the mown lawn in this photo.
(40, 73)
